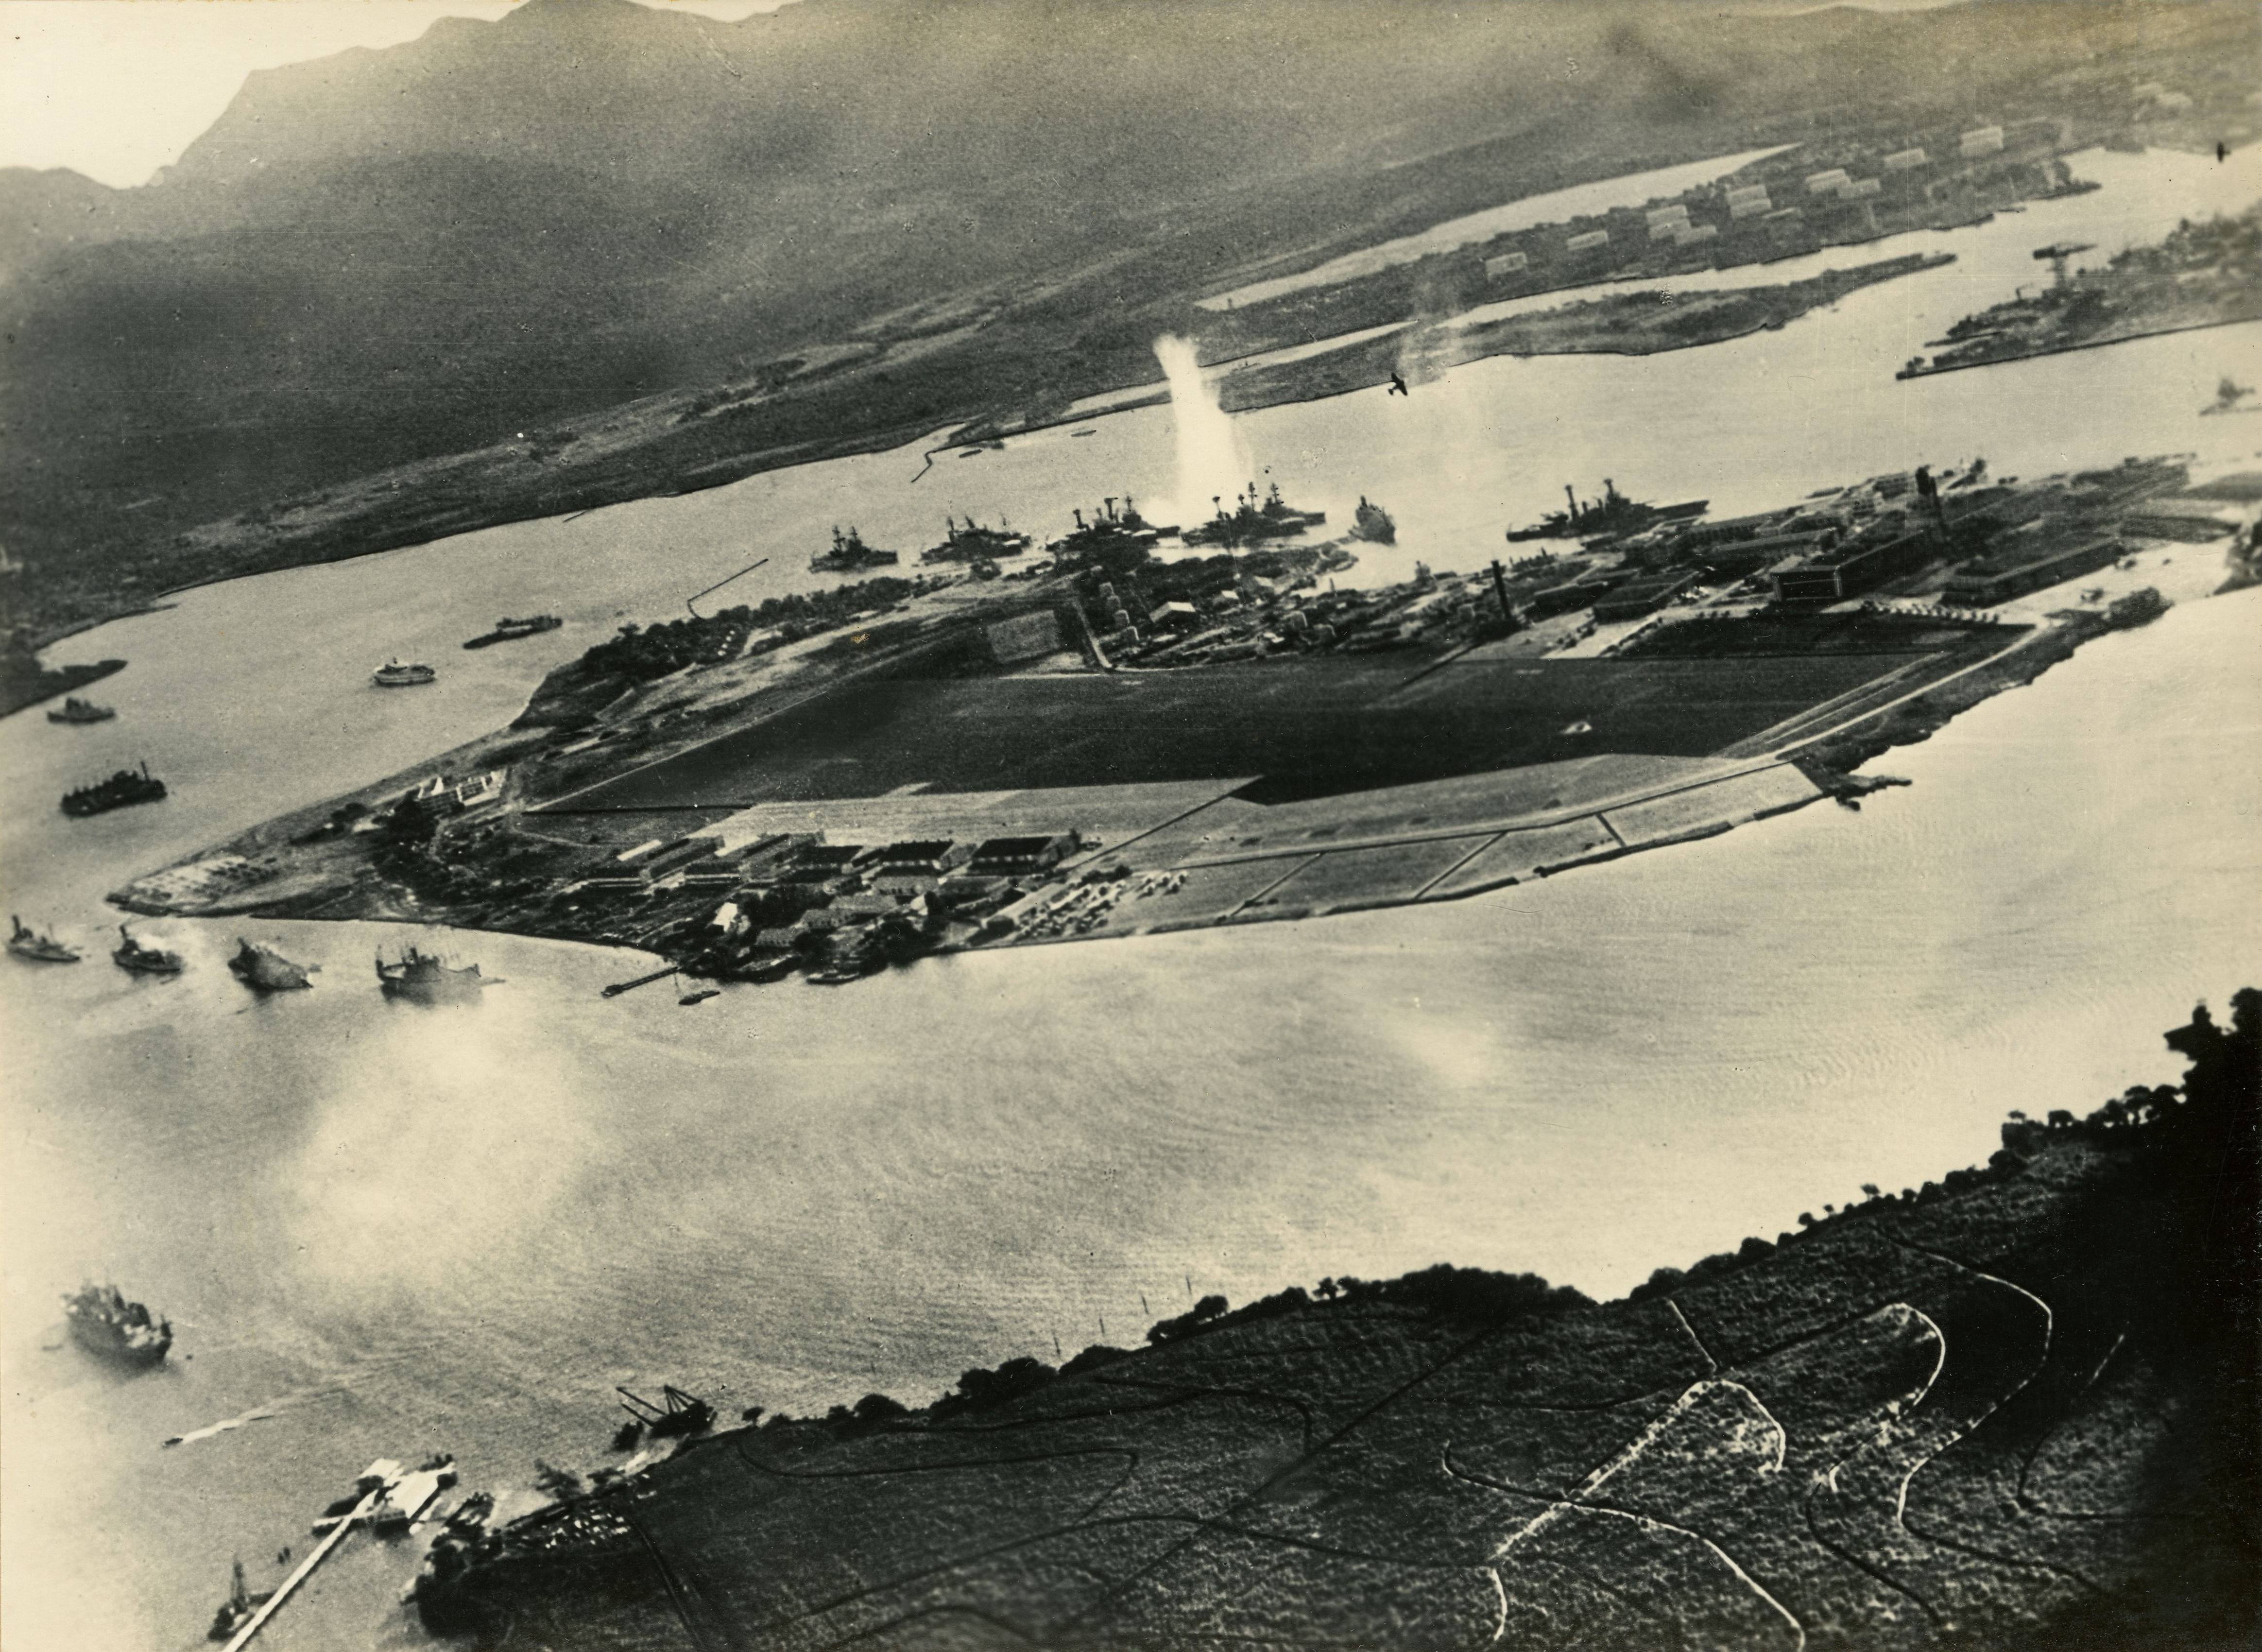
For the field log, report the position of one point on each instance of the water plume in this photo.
(1213, 463)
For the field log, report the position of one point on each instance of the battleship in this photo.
(108, 1326)
(398, 674)
(1110, 536)
(851, 555)
(1252, 521)
(130, 955)
(77, 711)
(508, 630)
(264, 969)
(422, 978)
(974, 543)
(1601, 518)
(121, 791)
(37, 945)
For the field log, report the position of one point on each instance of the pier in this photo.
(417, 1489)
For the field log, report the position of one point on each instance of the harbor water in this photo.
(382, 1230)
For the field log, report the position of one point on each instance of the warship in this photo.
(121, 791)
(975, 543)
(77, 711)
(397, 674)
(422, 978)
(236, 1610)
(37, 945)
(1253, 521)
(1372, 523)
(851, 555)
(1109, 536)
(131, 955)
(105, 1325)
(1599, 518)
(264, 969)
(508, 630)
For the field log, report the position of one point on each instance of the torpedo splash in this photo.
(1212, 462)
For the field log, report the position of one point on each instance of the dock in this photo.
(619, 987)
(403, 1489)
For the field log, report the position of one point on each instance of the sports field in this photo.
(1311, 728)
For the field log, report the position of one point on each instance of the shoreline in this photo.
(673, 449)
(1772, 1402)
(1775, 775)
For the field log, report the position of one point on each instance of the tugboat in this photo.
(237, 1609)
(37, 945)
(508, 630)
(132, 956)
(108, 1326)
(397, 673)
(423, 979)
(851, 555)
(122, 789)
(975, 543)
(1253, 522)
(1372, 523)
(264, 969)
(77, 711)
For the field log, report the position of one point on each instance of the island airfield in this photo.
(1126, 736)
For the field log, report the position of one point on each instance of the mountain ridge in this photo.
(385, 256)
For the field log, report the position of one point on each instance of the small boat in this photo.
(131, 955)
(1087, 430)
(105, 1325)
(398, 674)
(508, 630)
(122, 789)
(700, 997)
(37, 945)
(237, 1609)
(264, 969)
(77, 711)
(422, 978)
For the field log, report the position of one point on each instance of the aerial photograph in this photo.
(1108, 825)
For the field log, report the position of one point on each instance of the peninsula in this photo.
(2013, 1408)
(2201, 275)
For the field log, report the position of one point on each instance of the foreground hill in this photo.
(383, 257)
(2014, 1408)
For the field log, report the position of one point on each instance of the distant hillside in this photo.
(385, 256)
